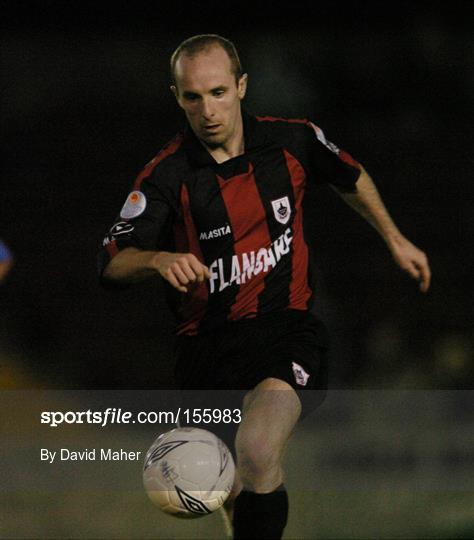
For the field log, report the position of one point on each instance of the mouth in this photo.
(211, 128)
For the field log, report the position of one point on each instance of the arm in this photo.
(180, 269)
(367, 202)
(131, 252)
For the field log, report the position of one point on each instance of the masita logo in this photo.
(215, 233)
(244, 266)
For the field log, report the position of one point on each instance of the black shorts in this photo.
(289, 345)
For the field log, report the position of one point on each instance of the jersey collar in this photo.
(253, 138)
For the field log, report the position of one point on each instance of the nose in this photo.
(207, 109)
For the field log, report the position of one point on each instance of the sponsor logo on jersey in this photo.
(322, 138)
(282, 210)
(301, 377)
(215, 233)
(134, 205)
(249, 264)
(122, 227)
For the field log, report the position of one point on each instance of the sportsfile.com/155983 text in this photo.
(112, 415)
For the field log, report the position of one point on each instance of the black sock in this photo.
(260, 516)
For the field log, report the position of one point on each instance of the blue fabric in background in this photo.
(5, 253)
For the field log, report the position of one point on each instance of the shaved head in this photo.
(204, 43)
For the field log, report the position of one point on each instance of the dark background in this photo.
(85, 104)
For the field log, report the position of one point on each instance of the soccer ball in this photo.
(188, 472)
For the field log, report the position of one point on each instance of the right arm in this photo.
(131, 251)
(131, 265)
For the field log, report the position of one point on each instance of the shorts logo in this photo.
(300, 374)
(134, 205)
(282, 210)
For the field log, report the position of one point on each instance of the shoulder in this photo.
(166, 165)
(297, 135)
(284, 130)
(279, 122)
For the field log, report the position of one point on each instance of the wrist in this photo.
(154, 260)
(394, 239)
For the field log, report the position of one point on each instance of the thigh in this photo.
(205, 401)
(299, 356)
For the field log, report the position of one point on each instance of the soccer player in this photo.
(218, 214)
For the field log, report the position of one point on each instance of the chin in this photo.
(213, 140)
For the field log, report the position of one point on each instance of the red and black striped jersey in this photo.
(242, 218)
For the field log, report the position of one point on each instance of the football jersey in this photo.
(242, 218)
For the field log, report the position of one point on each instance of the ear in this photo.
(242, 86)
(175, 92)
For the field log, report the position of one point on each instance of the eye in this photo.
(191, 97)
(218, 92)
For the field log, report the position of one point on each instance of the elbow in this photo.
(107, 275)
(361, 180)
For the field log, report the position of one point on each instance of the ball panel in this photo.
(188, 472)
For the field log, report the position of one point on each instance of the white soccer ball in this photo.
(188, 472)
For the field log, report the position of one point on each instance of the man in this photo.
(218, 214)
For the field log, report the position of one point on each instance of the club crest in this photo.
(282, 210)
(300, 374)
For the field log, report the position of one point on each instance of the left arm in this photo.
(367, 202)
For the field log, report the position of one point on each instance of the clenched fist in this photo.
(181, 270)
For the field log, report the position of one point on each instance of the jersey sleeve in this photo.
(330, 164)
(146, 218)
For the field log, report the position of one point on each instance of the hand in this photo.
(412, 260)
(181, 270)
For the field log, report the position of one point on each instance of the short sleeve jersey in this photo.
(242, 218)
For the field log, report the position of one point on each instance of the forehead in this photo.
(204, 70)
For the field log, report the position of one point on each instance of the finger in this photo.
(412, 270)
(187, 269)
(179, 274)
(174, 282)
(207, 273)
(199, 269)
(425, 278)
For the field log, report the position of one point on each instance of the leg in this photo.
(270, 413)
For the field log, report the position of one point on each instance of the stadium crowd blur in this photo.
(86, 105)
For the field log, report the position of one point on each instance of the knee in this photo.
(256, 456)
